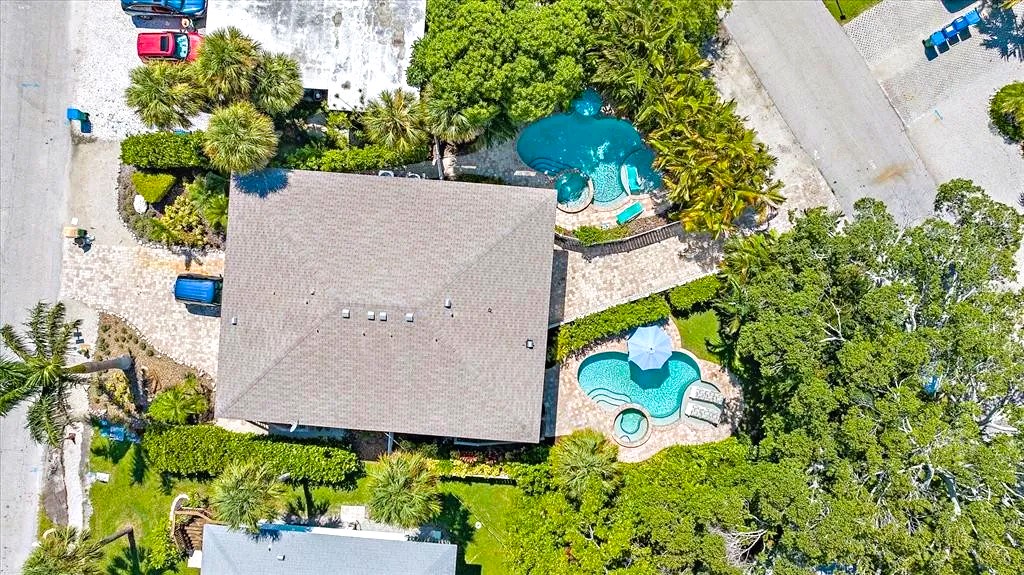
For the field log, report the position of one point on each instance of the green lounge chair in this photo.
(632, 179)
(628, 214)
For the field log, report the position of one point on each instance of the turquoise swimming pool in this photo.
(630, 427)
(600, 147)
(611, 380)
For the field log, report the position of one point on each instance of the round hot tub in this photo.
(631, 427)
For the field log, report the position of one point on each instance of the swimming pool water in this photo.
(594, 144)
(630, 426)
(611, 380)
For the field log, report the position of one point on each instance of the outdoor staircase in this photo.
(188, 528)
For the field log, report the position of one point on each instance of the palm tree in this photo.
(180, 403)
(39, 373)
(65, 551)
(745, 256)
(247, 493)
(210, 194)
(240, 138)
(582, 460)
(226, 64)
(278, 84)
(449, 127)
(1007, 110)
(395, 120)
(162, 95)
(403, 490)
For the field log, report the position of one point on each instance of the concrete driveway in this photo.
(824, 90)
(942, 96)
(35, 145)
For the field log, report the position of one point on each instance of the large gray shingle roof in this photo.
(227, 552)
(304, 246)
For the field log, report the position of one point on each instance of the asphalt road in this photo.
(824, 90)
(34, 158)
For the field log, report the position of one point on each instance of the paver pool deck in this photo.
(574, 410)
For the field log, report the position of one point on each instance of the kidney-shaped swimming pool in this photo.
(611, 380)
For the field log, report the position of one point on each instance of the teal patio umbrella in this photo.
(649, 347)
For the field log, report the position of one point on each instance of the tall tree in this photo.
(39, 373)
(502, 63)
(583, 460)
(226, 65)
(240, 138)
(277, 83)
(403, 490)
(1006, 110)
(163, 95)
(395, 120)
(247, 493)
(65, 551)
(886, 363)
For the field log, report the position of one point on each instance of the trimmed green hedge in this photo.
(371, 157)
(204, 451)
(578, 334)
(163, 150)
(697, 293)
(590, 235)
(153, 187)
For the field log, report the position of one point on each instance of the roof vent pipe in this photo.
(448, 302)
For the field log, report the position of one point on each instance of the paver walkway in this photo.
(582, 286)
(136, 284)
(822, 87)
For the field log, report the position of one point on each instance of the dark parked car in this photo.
(196, 289)
(190, 8)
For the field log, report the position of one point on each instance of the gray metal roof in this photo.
(305, 246)
(280, 552)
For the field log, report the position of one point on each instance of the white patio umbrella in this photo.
(649, 347)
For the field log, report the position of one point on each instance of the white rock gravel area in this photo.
(103, 55)
(136, 284)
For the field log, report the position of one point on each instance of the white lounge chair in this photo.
(702, 394)
(712, 416)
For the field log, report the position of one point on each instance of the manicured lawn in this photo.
(134, 496)
(138, 497)
(697, 330)
(850, 8)
(490, 505)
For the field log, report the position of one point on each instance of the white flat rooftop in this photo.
(355, 49)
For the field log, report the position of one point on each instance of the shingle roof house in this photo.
(386, 304)
(286, 552)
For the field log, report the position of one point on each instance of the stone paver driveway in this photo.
(136, 284)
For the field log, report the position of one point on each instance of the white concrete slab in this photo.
(354, 49)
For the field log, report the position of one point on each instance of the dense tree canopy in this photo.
(502, 63)
(652, 70)
(883, 372)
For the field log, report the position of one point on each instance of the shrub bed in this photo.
(578, 334)
(316, 157)
(204, 451)
(590, 235)
(164, 150)
(153, 187)
(693, 295)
